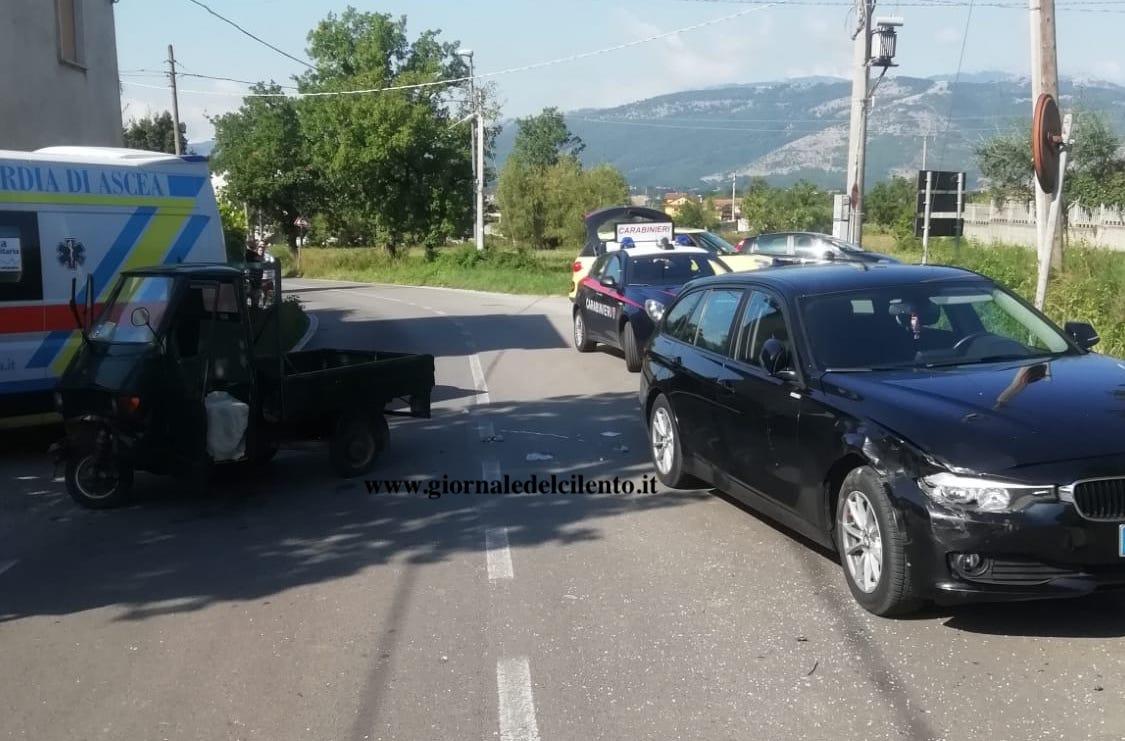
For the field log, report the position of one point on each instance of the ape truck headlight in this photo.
(654, 309)
(982, 495)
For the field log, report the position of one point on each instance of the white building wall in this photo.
(45, 101)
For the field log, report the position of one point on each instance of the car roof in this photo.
(845, 276)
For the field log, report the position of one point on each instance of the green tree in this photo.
(1005, 165)
(543, 207)
(154, 133)
(543, 138)
(265, 158)
(1095, 174)
(891, 204)
(700, 215)
(394, 163)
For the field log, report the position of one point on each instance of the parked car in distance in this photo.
(723, 249)
(600, 239)
(808, 247)
(943, 436)
(624, 295)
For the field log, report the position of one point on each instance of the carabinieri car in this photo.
(626, 291)
(947, 439)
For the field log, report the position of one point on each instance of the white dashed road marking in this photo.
(490, 470)
(497, 554)
(479, 383)
(517, 705)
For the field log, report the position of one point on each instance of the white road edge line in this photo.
(497, 553)
(478, 381)
(4, 566)
(517, 704)
(490, 470)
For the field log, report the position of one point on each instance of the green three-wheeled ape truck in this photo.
(184, 368)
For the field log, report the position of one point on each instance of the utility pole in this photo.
(857, 130)
(733, 199)
(175, 99)
(1044, 79)
(480, 169)
(925, 141)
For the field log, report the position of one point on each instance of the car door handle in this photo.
(726, 386)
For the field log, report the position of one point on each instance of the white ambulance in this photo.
(71, 212)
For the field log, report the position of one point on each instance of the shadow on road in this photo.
(259, 532)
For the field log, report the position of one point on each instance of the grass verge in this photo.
(497, 269)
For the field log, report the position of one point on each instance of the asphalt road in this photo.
(288, 604)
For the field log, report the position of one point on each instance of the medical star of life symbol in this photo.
(71, 253)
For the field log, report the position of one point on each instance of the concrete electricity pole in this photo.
(175, 99)
(857, 130)
(480, 169)
(1045, 79)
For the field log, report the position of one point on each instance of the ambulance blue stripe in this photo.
(185, 186)
(108, 267)
(187, 239)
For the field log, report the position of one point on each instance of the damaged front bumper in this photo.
(1044, 551)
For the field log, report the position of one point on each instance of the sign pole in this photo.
(926, 218)
(1052, 219)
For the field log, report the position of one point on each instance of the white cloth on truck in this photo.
(227, 418)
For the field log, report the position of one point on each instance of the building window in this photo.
(70, 31)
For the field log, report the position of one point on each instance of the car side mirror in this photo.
(830, 256)
(140, 317)
(609, 282)
(774, 356)
(1083, 334)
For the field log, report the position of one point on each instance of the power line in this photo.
(260, 40)
(956, 79)
(487, 75)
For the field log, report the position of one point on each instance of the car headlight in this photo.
(654, 309)
(982, 495)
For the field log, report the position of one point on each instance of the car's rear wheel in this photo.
(631, 348)
(872, 546)
(582, 341)
(667, 451)
(358, 440)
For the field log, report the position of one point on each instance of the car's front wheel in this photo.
(872, 546)
(582, 341)
(631, 348)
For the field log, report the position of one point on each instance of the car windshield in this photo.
(115, 324)
(668, 269)
(925, 326)
(846, 246)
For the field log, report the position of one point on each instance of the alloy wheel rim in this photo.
(862, 542)
(663, 440)
(94, 481)
(579, 329)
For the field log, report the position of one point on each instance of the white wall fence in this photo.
(1014, 223)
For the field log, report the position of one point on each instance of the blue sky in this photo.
(767, 44)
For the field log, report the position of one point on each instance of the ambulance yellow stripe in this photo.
(65, 199)
(157, 238)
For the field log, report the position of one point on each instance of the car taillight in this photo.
(577, 266)
(128, 405)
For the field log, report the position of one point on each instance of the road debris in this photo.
(538, 434)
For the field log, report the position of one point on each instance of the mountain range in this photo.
(798, 128)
